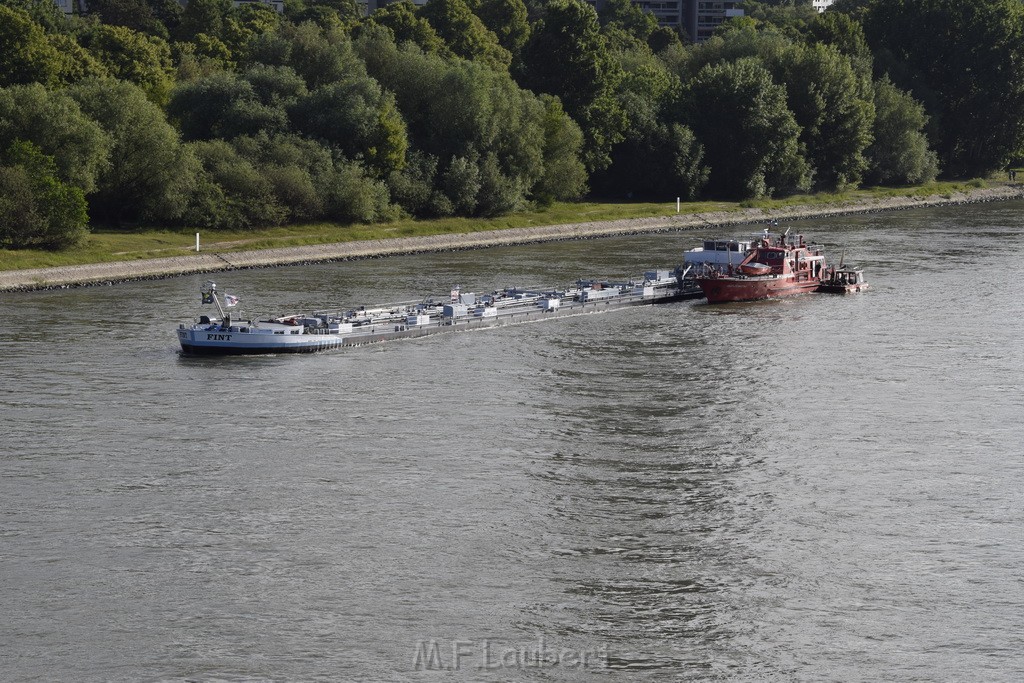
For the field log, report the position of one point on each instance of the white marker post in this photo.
(197, 241)
(677, 210)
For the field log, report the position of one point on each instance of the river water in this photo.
(822, 489)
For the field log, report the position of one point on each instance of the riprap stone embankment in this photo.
(120, 271)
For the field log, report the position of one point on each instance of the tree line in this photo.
(231, 118)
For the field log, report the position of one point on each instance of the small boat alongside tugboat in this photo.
(843, 281)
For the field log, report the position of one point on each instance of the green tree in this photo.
(319, 56)
(75, 62)
(37, 209)
(834, 109)
(965, 62)
(42, 12)
(406, 25)
(150, 175)
(275, 85)
(293, 167)
(267, 180)
(205, 56)
(499, 192)
(749, 135)
(357, 118)
(734, 40)
(245, 23)
(343, 12)
(788, 14)
(855, 9)
(137, 15)
(565, 176)
(224, 105)
(53, 122)
(26, 56)
(829, 94)
(415, 187)
(508, 20)
(657, 158)
(662, 162)
(230, 192)
(628, 17)
(169, 13)
(663, 38)
(202, 109)
(466, 124)
(214, 49)
(567, 56)
(135, 57)
(204, 16)
(353, 197)
(844, 34)
(899, 154)
(464, 33)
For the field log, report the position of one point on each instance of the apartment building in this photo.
(703, 16)
(668, 12)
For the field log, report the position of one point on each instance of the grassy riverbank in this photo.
(106, 245)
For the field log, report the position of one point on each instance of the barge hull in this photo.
(195, 342)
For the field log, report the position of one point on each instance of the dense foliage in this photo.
(214, 116)
(964, 61)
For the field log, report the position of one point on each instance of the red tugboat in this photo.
(773, 268)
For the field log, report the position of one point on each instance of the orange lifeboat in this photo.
(755, 269)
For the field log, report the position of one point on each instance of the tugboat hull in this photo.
(725, 290)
